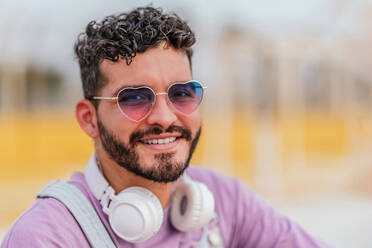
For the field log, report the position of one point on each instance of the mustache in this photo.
(137, 135)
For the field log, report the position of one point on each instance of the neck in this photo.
(120, 178)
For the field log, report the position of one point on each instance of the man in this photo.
(141, 109)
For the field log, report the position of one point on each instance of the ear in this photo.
(86, 116)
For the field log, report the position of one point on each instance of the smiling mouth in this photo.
(159, 141)
(160, 144)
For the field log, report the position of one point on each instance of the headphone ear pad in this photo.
(136, 214)
(192, 206)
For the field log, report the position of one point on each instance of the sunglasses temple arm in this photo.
(105, 98)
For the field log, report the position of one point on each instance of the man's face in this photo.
(127, 142)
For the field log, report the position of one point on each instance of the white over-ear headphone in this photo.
(135, 214)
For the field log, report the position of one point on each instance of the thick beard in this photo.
(164, 169)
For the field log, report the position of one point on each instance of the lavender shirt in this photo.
(245, 220)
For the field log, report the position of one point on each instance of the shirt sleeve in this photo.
(259, 225)
(47, 223)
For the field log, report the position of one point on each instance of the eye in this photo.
(131, 97)
(182, 93)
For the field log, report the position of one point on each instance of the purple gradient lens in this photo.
(186, 97)
(136, 103)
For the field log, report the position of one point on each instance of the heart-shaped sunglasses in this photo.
(137, 102)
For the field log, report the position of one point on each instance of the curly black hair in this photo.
(122, 37)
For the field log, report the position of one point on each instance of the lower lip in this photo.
(161, 147)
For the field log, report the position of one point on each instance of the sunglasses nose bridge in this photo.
(161, 93)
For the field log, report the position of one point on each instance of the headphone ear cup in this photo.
(135, 214)
(192, 206)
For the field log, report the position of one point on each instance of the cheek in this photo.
(123, 127)
(192, 121)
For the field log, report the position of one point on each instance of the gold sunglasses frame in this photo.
(108, 98)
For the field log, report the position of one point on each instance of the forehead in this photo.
(157, 67)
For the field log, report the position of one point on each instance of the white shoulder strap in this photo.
(81, 209)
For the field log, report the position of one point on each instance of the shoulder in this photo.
(221, 185)
(245, 219)
(238, 208)
(47, 223)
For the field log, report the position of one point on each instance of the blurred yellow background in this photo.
(287, 109)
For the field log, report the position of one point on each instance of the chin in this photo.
(158, 158)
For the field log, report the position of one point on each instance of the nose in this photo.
(161, 114)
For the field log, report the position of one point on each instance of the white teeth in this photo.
(159, 141)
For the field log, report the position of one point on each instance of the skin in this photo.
(157, 68)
